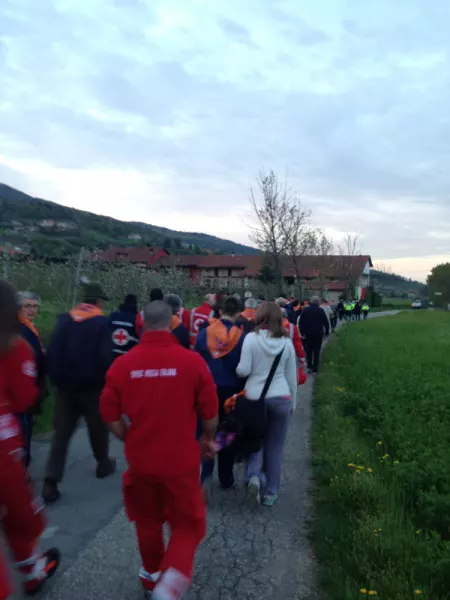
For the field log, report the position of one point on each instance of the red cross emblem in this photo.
(120, 337)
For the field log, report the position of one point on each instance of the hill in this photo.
(396, 286)
(49, 229)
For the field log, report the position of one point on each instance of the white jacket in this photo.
(258, 353)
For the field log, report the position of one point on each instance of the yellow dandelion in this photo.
(419, 531)
(372, 593)
(395, 462)
(351, 465)
(369, 470)
(417, 592)
(360, 467)
(363, 591)
(379, 529)
(380, 443)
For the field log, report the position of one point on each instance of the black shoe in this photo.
(105, 469)
(50, 492)
(52, 559)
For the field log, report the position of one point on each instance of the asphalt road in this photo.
(252, 554)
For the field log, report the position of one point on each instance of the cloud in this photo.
(186, 101)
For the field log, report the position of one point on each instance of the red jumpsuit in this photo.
(294, 334)
(22, 520)
(199, 316)
(160, 387)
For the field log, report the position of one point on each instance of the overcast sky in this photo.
(164, 110)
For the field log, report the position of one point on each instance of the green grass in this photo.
(381, 447)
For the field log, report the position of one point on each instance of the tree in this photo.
(272, 214)
(322, 248)
(301, 237)
(438, 282)
(348, 251)
(267, 274)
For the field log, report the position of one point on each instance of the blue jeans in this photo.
(266, 464)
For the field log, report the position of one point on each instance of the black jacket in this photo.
(80, 353)
(182, 335)
(313, 321)
(123, 330)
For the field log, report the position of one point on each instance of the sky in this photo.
(164, 111)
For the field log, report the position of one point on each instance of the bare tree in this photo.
(348, 251)
(272, 219)
(322, 249)
(301, 237)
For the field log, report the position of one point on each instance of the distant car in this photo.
(416, 305)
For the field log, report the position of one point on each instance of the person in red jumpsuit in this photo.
(200, 316)
(22, 519)
(150, 401)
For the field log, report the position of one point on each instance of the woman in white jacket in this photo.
(259, 351)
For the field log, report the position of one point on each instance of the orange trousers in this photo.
(21, 519)
(152, 501)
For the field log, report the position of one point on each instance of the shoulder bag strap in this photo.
(273, 368)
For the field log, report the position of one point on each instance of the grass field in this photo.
(381, 443)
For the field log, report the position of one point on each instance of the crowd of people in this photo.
(183, 389)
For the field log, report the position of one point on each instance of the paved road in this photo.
(256, 554)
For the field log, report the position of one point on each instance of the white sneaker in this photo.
(171, 586)
(254, 491)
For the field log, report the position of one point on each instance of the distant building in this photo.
(47, 223)
(135, 237)
(66, 225)
(328, 275)
(144, 256)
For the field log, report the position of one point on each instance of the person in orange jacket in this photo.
(245, 321)
(162, 483)
(22, 519)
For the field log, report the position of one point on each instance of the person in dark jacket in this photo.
(123, 326)
(220, 345)
(79, 354)
(292, 311)
(178, 329)
(313, 323)
(357, 311)
(245, 320)
(29, 304)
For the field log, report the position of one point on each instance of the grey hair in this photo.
(315, 300)
(173, 301)
(251, 303)
(157, 315)
(22, 296)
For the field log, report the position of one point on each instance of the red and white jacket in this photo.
(197, 317)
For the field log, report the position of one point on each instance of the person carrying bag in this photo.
(269, 364)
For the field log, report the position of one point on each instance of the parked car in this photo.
(416, 305)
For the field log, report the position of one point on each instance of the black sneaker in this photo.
(50, 492)
(52, 560)
(105, 469)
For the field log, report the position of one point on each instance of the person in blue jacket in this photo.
(220, 345)
(29, 304)
(78, 357)
(123, 326)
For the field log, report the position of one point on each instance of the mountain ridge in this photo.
(24, 215)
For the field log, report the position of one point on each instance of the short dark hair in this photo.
(131, 302)
(156, 294)
(231, 307)
(295, 303)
